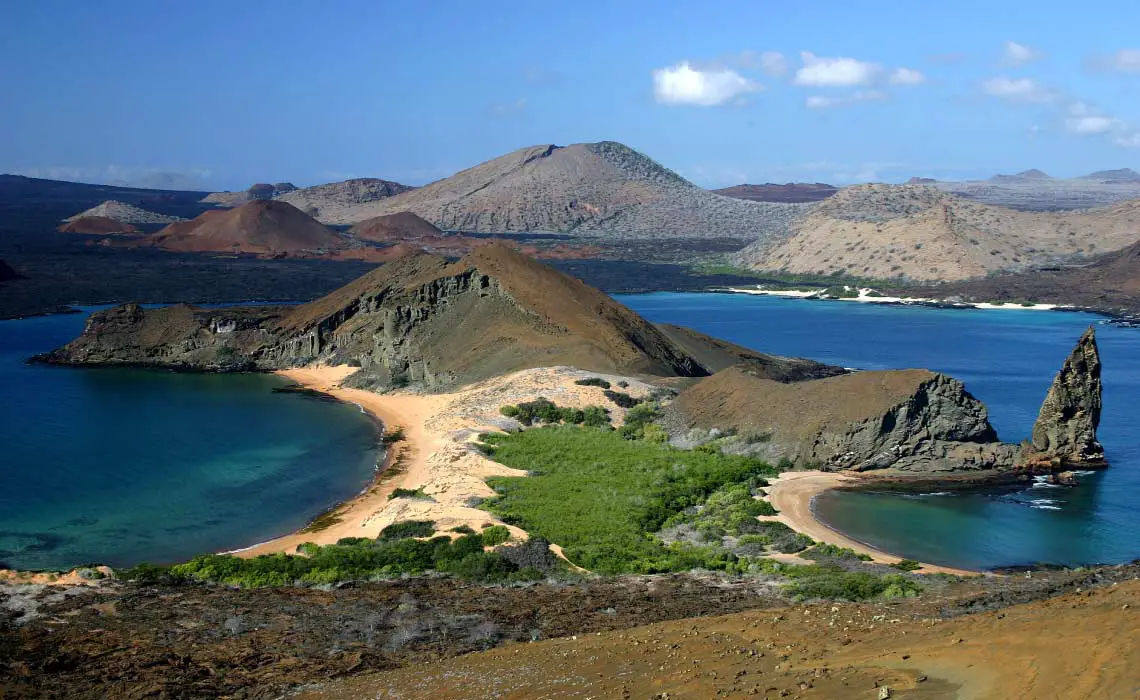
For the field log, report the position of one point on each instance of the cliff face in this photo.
(422, 320)
(906, 420)
(1065, 431)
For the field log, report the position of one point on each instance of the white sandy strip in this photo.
(869, 296)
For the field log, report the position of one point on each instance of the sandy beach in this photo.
(792, 493)
(435, 455)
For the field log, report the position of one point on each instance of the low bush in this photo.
(730, 510)
(593, 381)
(830, 551)
(835, 582)
(907, 565)
(621, 398)
(410, 493)
(408, 528)
(638, 418)
(546, 412)
(393, 436)
(463, 529)
(495, 535)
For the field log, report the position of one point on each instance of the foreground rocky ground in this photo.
(394, 639)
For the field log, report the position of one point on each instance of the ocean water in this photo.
(1007, 358)
(120, 466)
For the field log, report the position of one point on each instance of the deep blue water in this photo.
(120, 466)
(1007, 358)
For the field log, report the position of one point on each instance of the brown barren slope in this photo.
(97, 225)
(261, 226)
(1080, 646)
(792, 192)
(401, 226)
(921, 233)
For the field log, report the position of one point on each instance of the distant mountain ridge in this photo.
(326, 201)
(919, 232)
(791, 192)
(590, 189)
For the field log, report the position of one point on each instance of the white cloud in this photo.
(835, 72)
(822, 102)
(773, 63)
(907, 76)
(1128, 140)
(1018, 90)
(1091, 124)
(1123, 61)
(509, 108)
(1019, 54)
(683, 84)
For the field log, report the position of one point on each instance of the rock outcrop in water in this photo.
(1065, 431)
(425, 321)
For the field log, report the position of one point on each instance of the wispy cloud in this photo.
(907, 76)
(1083, 119)
(835, 72)
(824, 102)
(1018, 90)
(1019, 54)
(1122, 61)
(683, 84)
(507, 109)
(774, 64)
(537, 76)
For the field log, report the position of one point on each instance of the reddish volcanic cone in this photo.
(263, 227)
(98, 226)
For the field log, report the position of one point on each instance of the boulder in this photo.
(1065, 431)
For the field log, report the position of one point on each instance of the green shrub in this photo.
(730, 510)
(574, 416)
(463, 530)
(408, 528)
(907, 565)
(602, 497)
(410, 493)
(621, 398)
(830, 551)
(654, 433)
(393, 436)
(510, 411)
(593, 381)
(595, 417)
(816, 581)
(495, 535)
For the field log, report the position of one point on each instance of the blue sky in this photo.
(228, 93)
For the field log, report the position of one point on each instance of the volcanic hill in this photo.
(97, 225)
(125, 213)
(394, 228)
(261, 226)
(328, 202)
(601, 188)
(921, 233)
(423, 320)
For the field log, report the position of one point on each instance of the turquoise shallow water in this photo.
(1007, 358)
(120, 466)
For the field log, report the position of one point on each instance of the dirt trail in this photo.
(1080, 645)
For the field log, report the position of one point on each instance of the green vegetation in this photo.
(495, 535)
(393, 436)
(840, 292)
(730, 510)
(776, 535)
(593, 381)
(410, 493)
(463, 529)
(907, 565)
(639, 418)
(408, 528)
(323, 521)
(820, 581)
(830, 551)
(361, 558)
(602, 497)
(544, 411)
(621, 398)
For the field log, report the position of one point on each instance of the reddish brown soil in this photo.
(264, 227)
(397, 227)
(97, 225)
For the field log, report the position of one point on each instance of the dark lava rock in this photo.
(1065, 430)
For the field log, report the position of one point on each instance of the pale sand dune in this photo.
(435, 454)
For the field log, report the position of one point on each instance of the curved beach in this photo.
(435, 457)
